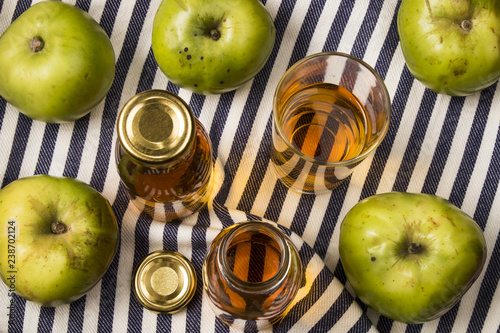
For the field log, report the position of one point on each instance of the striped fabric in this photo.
(435, 144)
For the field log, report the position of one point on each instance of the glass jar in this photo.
(251, 273)
(163, 155)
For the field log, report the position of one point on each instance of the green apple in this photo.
(451, 46)
(410, 256)
(212, 46)
(56, 62)
(58, 237)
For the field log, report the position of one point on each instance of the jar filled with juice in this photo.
(163, 155)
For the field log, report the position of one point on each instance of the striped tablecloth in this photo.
(435, 144)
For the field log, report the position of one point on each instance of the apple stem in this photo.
(37, 44)
(414, 248)
(215, 34)
(466, 25)
(58, 227)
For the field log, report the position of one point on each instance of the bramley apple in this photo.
(212, 46)
(58, 237)
(410, 256)
(56, 62)
(451, 46)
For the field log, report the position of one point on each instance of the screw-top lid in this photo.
(156, 126)
(164, 281)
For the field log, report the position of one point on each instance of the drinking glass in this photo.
(331, 110)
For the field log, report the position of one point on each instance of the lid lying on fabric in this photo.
(164, 281)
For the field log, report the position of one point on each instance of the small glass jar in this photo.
(251, 274)
(163, 155)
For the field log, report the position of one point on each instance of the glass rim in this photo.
(365, 153)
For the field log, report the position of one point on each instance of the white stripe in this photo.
(61, 149)
(125, 271)
(427, 150)
(458, 146)
(92, 301)
(32, 152)
(401, 140)
(353, 26)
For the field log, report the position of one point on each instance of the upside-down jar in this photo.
(163, 155)
(251, 274)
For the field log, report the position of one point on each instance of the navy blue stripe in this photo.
(306, 31)
(170, 238)
(384, 324)
(108, 16)
(481, 215)
(490, 187)
(113, 98)
(258, 172)
(47, 149)
(252, 217)
(318, 287)
(252, 105)
(389, 47)
(170, 243)
(220, 119)
(472, 147)
(21, 136)
(23, 125)
(148, 73)
(277, 198)
(172, 87)
(16, 319)
(447, 320)
(3, 107)
(21, 7)
(46, 319)
(398, 105)
(336, 311)
(141, 248)
(199, 249)
(76, 146)
(414, 328)
(76, 313)
(196, 104)
(338, 26)
(362, 325)
(83, 4)
(220, 326)
(330, 219)
(485, 296)
(383, 151)
(443, 146)
(366, 30)
(222, 213)
(109, 280)
(164, 323)
(304, 208)
(415, 142)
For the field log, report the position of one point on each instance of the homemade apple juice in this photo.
(252, 272)
(326, 122)
(181, 188)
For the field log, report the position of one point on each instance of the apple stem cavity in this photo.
(215, 34)
(414, 248)
(37, 44)
(466, 25)
(58, 227)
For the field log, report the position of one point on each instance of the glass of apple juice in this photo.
(331, 110)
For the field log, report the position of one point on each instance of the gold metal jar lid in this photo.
(156, 126)
(164, 281)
